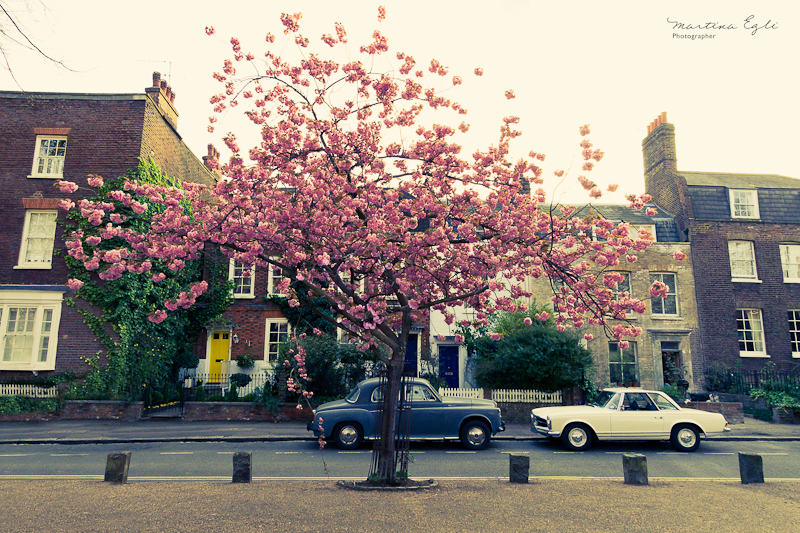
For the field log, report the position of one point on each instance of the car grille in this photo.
(539, 421)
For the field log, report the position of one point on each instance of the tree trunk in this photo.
(387, 446)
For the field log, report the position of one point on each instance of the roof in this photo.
(70, 96)
(740, 181)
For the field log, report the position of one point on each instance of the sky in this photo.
(726, 72)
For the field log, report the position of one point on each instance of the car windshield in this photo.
(612, 402)
(602, 399)
(353, 396)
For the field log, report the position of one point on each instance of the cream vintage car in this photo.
(627, 414)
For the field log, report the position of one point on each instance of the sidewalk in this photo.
(175, 430)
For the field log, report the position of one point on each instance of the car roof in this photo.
(376, 381)
(628, 389)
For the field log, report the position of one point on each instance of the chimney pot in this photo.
(156, 79)
(163, 85)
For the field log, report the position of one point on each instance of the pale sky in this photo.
(733, 96)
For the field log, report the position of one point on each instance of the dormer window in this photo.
(744, 203)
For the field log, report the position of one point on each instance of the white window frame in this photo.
(40, 357)
(736, 247)
(790, 262)
(649, 227)
(794, 331)
(59, 159)
(243, 286)
(275, 279)
(751, 324)
(47, 263)
(272, 347)
(673, 294)
(751, 206)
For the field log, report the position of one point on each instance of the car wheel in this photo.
(685, 438)
(475, 435)
(348, 436)
(577, 437)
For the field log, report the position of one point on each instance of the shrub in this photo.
(241, 380)
(10, 405)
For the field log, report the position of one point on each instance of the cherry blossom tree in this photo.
(373, 212)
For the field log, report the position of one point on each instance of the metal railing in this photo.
(743, 381)
(28, 391)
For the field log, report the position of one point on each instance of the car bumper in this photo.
(544, 431)
(502, 426)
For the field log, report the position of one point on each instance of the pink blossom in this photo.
(157, 316)
(588, 336)
(479, 72)
(158, 277)
(95, 181)
(510, 94)
(678, 255)
(458, 338)
(74, 284)
(67, 186)
(66, 205)
(495, 336)
(527, 321)
(209, 30)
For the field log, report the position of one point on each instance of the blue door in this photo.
(410, 368)
(448, 365)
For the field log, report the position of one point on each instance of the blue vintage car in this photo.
(354, 419)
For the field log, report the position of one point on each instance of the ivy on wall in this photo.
(140, 354)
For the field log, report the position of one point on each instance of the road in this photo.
(198, 461)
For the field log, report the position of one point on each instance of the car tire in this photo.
(685, 438)
(577, 437)
(348, 436)
(475, 435)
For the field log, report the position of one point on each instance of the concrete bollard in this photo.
(242, 469)
(518, 468)
(751, 468)
(117, 466)
(634, 467)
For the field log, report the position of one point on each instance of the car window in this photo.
(613, 402)
(663, 402)
(377, 395)
(638, 401)
(353, 396)
(419, 393)
(602, 398)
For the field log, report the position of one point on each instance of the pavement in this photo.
(455, 505)
(176, 430)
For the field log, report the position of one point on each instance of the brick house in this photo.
(52, 136)
(744, 231)
(668, 349)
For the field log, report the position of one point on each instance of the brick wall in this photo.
(732, 411)
(205, 411)
(719, 298)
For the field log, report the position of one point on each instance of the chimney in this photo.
(661, 178)
(162, 96)
(211, 161)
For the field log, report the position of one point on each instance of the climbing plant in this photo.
(139, 353)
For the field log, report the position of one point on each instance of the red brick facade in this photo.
(105, 134)
(701, 203)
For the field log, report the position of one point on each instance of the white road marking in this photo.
(69, 454)
(176, 453)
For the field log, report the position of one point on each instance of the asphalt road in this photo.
(203, 461)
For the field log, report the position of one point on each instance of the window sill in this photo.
(791, 280)
(665, 317)
(745, 280)
(762, 355)
(46, 176)
(27, 367)
(244, 296)
(34, 267)
(745, 218)
(796, 355)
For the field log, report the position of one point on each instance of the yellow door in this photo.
(219, 353)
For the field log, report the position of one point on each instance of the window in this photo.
(277, 334)
(36, 250)
(744, 203)
(275, 278)
(48, 160)
(623, 286)
(794, 331)
(790, 259)
(669, 304)
(29, 327)
(622, 363)
(243, 278)
(743, 260)
(751, 333)
(643, 230)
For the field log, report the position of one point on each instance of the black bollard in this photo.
(634, 467)
(242, 470)
(751, 468)
(518, 468)
(117, 466)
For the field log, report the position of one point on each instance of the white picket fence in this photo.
(505, 395)
(30, 391)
